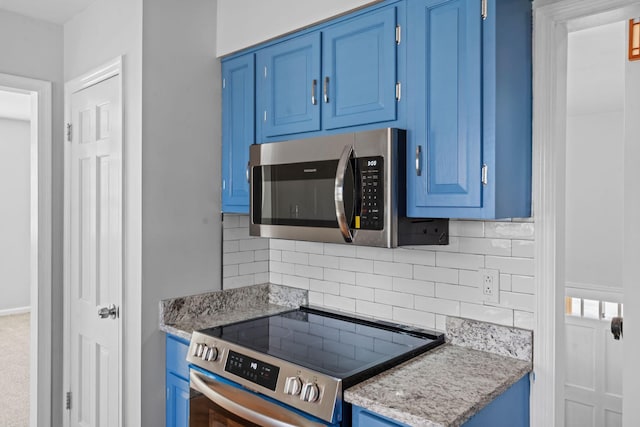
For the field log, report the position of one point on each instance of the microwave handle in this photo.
(246, 405)
(341, 216)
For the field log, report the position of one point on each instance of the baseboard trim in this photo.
(18, 310)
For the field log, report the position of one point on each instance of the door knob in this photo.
(616, 327)
(110, 311)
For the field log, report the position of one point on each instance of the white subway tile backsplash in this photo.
(340, 250)
(466, 228)
(376, 254)
(414, 256)
(395, 299)
(435, 274)
(523, 284)
(340, 276)
(324, 261)
(379, 311)
(486, 313)
(415, 287)
(357, 292)
(475, 245)
(340, 303)
(441, 323)
(253, 244)
(411, 317)
(295, 257)
(523, 248)
(523, 319)
(509, 230)
(295, 281)
(374, 281)
(356, 264)
(393, 269)
(518, 301)
(283, 245)
(310, 247)
(437, 306)
(521, 266)
(456, 260)
(324, 287)
(253, 267)
(458, 293)
(309, 271)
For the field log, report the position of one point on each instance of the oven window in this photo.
(300, 194)
(204, 413)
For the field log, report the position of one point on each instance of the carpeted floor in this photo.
(14, 370)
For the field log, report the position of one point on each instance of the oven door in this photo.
(215, 402)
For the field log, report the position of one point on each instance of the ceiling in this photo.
(56, 11)
(15, 105)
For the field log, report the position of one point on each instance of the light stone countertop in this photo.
(444, 387)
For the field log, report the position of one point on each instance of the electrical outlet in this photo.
(490, 285)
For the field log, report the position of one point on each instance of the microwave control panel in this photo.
(370, 212)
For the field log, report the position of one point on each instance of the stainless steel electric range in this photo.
(290, 369)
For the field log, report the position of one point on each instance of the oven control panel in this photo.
(303, 389)
(370, 212)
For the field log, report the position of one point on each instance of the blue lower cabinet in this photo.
(177, 382)
(510, 409)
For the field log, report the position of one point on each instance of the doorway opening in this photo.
(26, 306)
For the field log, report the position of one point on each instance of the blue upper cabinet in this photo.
(339, 76)
(238, 131)
(288, 86)
(359, 70)
(469, 118)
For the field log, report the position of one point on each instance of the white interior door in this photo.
(95, 250)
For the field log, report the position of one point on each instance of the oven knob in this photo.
(310, 392)
(198, 349)
(203, 353)
(292, 386)
(211, 354)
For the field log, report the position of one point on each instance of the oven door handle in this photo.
(247, 405)
(341, 216)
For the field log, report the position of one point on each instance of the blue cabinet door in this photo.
(177, 401)
(444, 73)
(288, 85)
(359, 70)
(176, 382)
(238, 131)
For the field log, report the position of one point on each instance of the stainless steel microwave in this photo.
(344, 188)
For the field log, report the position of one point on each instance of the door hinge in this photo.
(69, 132)
(68, 401)
(398, 91)
(485, 172)
(398, 34)
(484, 9)
(224, 83)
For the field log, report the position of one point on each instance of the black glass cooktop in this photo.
(343, 347)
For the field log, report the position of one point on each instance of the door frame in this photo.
(553, 22)
(95, 76)
(40, 259)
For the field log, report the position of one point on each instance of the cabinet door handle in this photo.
(325, 90)
(314, 83)
(418, 160)
(247, 173)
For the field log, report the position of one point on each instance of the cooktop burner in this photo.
(331, 343)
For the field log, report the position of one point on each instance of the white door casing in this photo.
(552, 24)
(93, 248)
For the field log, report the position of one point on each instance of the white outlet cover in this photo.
(494, 277)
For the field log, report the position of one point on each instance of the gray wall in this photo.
(181, 230)
(34, 49)
(15, 215)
